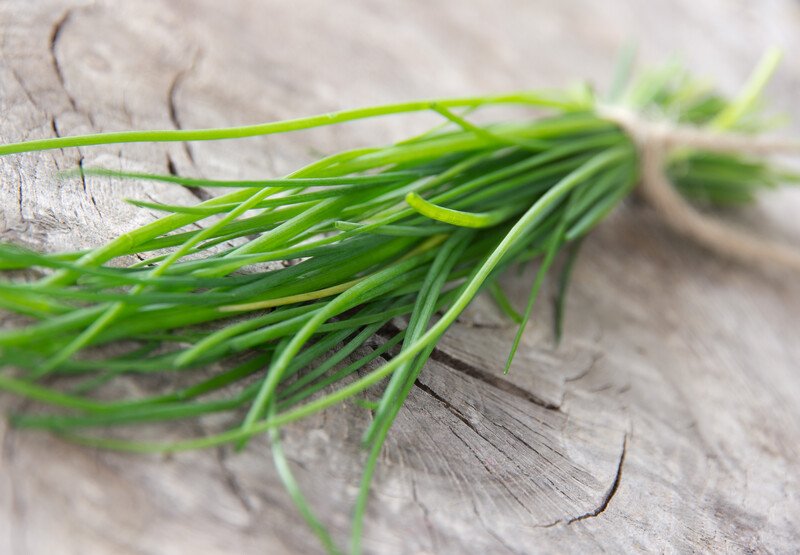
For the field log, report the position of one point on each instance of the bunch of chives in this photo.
(407, 233)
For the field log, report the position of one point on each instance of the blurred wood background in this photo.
(667, 421)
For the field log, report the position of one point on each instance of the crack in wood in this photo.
(19, 194)
(449, 406)
(482, 325)
(55, 35)
(172, 109)
(171, 168)
(445, 358)
(172, 105)
(611, 490)
(83, 176)
(54, 126)
(197, 192)
(607, 497)
(596, 357)
(495, 381)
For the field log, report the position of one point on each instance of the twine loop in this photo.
(655, 140)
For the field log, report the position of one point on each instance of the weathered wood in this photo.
(668, 420)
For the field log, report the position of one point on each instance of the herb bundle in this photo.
(409, 232)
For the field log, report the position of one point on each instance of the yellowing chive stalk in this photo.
(405, 234)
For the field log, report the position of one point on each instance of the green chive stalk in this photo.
(396, 239)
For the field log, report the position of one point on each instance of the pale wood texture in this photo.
(668, 420)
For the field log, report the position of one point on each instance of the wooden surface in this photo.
(667, 421)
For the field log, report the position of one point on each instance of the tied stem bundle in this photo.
(654, 142)
(336, 281)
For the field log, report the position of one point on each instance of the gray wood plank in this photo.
(669, 418)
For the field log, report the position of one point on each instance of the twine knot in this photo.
(655, 139)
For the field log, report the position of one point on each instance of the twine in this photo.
(654, 141)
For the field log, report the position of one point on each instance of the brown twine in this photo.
(654, 141)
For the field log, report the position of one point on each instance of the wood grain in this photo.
(669, 418)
